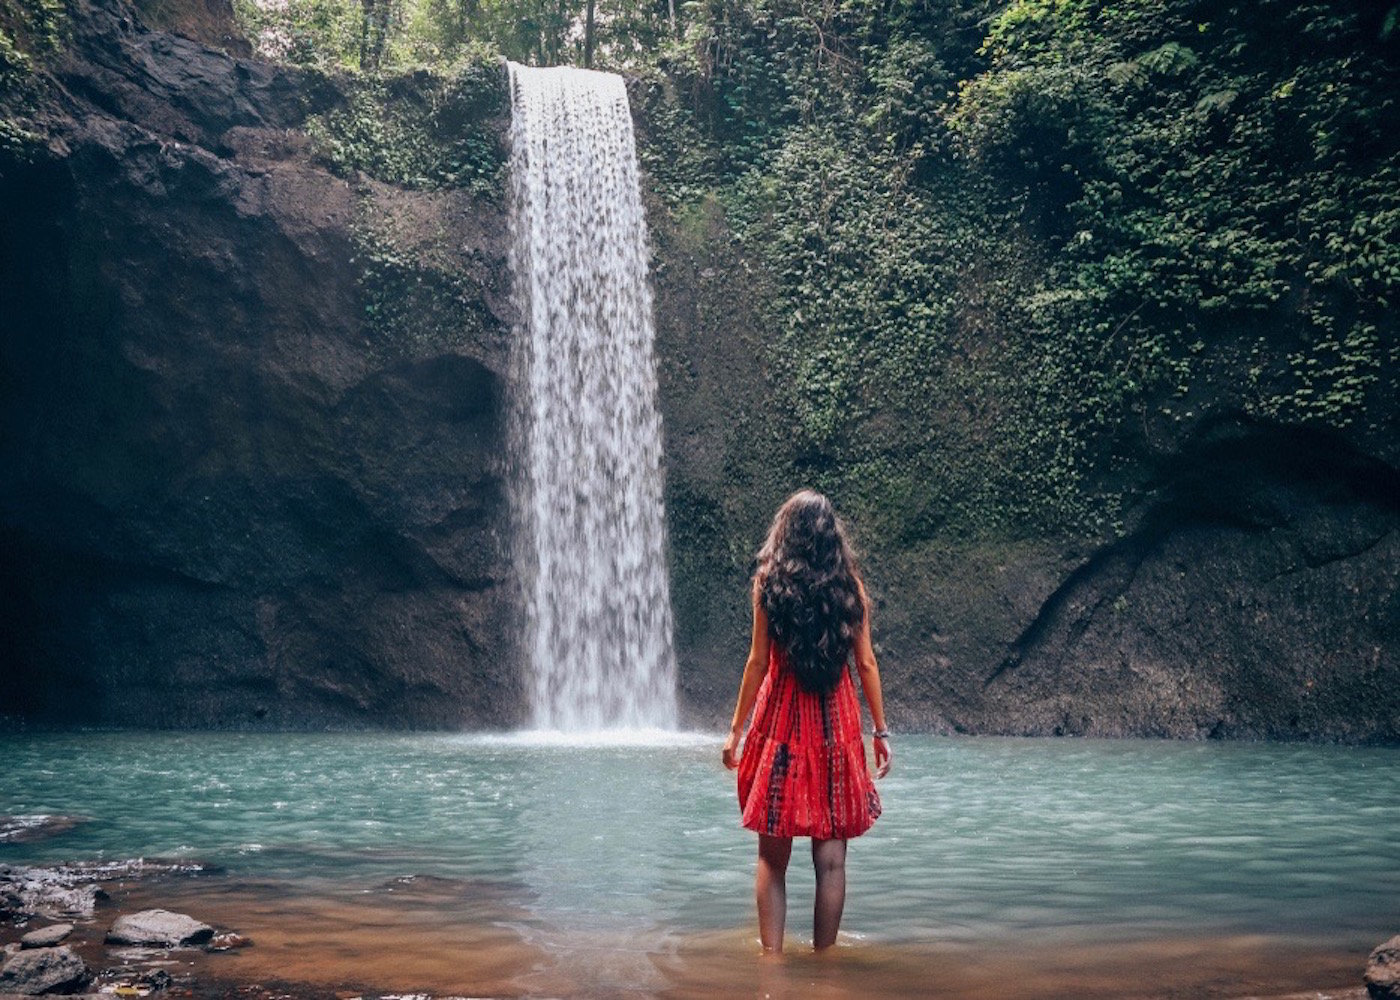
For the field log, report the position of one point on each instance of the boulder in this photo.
(44, 970)
(46, 937)
(158, 928)
(1383, 971)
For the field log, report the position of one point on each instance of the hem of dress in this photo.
(834, 835)
(844, 834)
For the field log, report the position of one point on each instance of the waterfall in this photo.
(585, 430)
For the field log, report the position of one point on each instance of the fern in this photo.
(1171, 59)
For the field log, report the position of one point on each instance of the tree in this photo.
(376, 18)
(588, 37)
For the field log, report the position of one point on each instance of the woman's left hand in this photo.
(730, 753)
(883, 756)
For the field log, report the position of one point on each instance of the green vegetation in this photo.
(420, 130)
(1206, 174)
(28, 28)
(1005, 251)
(389, 34)
(1017, 248)
(1008, 250)
(427, 132)
(29, 31)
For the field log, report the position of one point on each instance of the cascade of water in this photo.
(585, 430)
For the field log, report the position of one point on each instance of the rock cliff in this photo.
(251, 470)
(1251, 592)
(228, 496)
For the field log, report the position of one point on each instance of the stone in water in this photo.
(159, 928)
(1383, 971)
(44, 970)
(46, 937)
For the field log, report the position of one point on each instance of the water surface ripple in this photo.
(982, 840)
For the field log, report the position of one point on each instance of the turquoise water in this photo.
(982, 839)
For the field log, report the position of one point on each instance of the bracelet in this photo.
(881, 734)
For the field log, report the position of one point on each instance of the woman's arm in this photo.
(754, 669)
(869, 672)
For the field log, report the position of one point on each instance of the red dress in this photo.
(803, 770)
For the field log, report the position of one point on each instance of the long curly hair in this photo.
(808, 584)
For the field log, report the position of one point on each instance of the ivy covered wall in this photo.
(1011, 271)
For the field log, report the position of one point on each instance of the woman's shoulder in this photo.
(760, 613)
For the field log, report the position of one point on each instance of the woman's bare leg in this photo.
(770, 889)
(829, 860)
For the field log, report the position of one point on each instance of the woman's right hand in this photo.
(730, 753)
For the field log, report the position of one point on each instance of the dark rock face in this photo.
(44, 970)
(1259, 597)
(225, 500)
(713, 397)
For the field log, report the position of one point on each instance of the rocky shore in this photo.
(65, 933)
(65, 946)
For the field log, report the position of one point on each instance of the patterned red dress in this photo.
(803, 770)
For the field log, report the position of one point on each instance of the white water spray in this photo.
(585, 430)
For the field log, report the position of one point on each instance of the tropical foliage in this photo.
(29, 29)
(387, 34)
(1019, 246)
(1009, 249)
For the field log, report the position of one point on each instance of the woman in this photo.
(803, 771)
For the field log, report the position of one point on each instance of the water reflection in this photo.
(599, 836)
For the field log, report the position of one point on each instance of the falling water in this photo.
(585, 429)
